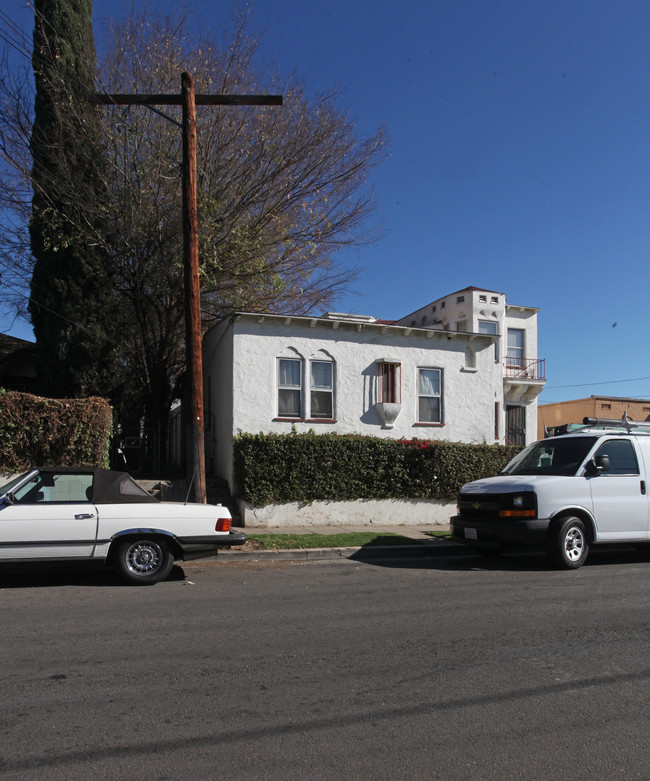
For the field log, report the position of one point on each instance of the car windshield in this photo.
(562, 456)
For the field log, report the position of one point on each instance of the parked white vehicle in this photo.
(50, 514)
(566, 493)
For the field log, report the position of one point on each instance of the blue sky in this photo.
(518, 159)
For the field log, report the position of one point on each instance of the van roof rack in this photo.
(602, 424)
(624, 422)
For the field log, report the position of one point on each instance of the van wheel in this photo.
(568, 545)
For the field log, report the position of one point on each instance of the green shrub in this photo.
(53, 432)
(282, 468)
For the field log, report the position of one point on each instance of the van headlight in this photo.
(520, 505)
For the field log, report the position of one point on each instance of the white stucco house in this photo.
(463, 368)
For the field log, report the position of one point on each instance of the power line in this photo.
(88, 329)
(604, 382)
(51, 311)
(14, 36)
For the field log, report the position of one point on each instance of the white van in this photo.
(566, 493)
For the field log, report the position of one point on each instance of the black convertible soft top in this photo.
(109, 486)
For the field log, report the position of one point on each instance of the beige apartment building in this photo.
(562, 412)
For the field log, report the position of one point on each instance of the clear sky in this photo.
(519, 159)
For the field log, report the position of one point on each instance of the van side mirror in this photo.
(597, 465)
(602, 463)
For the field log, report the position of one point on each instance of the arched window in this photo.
(290, 384)
(321, 386)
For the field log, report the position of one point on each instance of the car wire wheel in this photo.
(143, 561)
(143, 558)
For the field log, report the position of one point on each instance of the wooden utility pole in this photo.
(194, 361)
(192, 288)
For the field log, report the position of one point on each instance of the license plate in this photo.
(470, 534)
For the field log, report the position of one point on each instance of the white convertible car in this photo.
(50, 514)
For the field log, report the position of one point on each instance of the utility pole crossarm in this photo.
(121, 99)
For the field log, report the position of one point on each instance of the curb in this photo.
(363, 553)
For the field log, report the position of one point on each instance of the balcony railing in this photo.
(525, 370)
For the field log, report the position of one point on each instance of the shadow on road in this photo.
(15, 575)
(510, 561)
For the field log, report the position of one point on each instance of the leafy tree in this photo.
(72, 305)
(281, 190)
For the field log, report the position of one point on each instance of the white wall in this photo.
(240, 359)
(385, 512)
(468, 396)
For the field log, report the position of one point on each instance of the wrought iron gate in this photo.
(515, 425)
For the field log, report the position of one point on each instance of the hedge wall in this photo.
(53, 432)
(281, 468)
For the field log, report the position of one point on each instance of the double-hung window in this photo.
(289, 387)
(322, 389)
(429, 396)
(515, 357)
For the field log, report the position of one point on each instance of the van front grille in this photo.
(479, 507)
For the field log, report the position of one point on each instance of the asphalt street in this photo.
(436, 668)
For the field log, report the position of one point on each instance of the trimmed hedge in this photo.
(53, 432)
(282, 468)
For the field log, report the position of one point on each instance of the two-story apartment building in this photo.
(463, 368)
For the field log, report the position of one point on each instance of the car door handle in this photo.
(80, 516)
(643, 487)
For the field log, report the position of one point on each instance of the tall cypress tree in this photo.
(71, 304)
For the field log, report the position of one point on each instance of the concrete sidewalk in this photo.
(423, 544)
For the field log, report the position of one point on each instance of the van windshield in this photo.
(562, 456)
